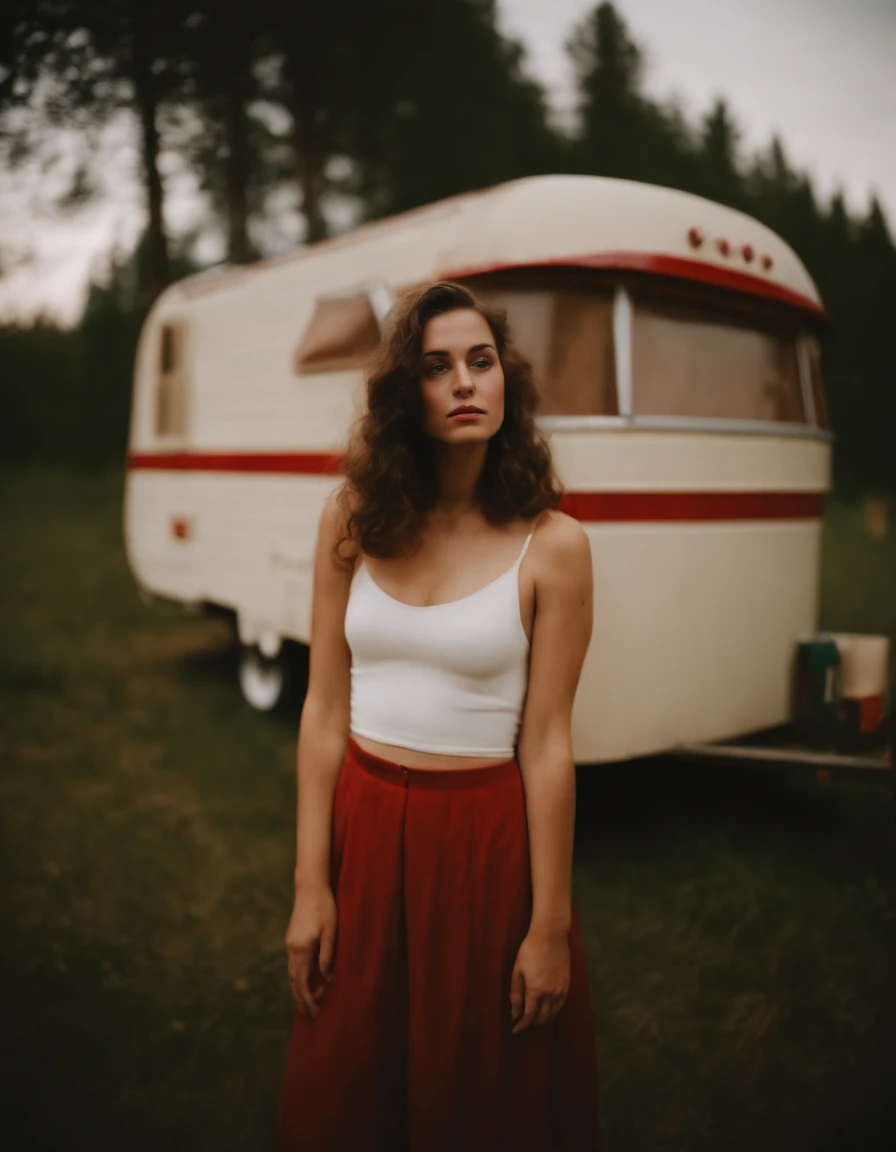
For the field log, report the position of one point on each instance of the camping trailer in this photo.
(676, 346)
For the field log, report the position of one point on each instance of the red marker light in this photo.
(766, 261)
(748, 253)
(723, 246)
(180, 529)
(695, 237)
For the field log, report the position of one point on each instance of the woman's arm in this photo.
(324, 724)
(560, 639)
(321, 748)
(561, 633)
(323, 736)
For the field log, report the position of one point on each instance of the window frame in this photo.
(622, 350)
(625, 285)
(735, 304)
(707, 424)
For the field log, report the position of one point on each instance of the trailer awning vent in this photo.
(342, 334)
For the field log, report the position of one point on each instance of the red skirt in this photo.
(412, 1048)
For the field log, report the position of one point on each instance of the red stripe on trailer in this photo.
(595, 507)
(277, 463)
(677, 266)
(630, 507)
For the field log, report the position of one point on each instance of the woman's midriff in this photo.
(411, 758)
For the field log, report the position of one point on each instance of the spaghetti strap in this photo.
(519, 558)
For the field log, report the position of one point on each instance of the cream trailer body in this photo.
(675, 343)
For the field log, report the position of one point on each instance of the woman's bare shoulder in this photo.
(561, 542)
(338, 507)
(560, 527)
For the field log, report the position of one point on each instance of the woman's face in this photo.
(461, 369)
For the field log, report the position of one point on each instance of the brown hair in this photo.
(388, 466)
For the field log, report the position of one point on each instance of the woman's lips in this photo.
(466, 416)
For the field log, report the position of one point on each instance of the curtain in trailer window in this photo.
(567, 336)
(691, 363)
(581, 375)
(814, 357)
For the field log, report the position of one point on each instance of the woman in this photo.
(435, 958)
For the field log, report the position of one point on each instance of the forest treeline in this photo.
(390, 104)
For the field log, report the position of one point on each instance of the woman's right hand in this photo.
(310, 944)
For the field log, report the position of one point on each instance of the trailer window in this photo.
(341, 334)
(689, 361)
(567, 336)
(170, 409)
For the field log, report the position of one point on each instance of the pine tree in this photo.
(720, 178)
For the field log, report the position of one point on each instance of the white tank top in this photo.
(445, 678)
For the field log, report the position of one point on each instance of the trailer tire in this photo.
(272, 684)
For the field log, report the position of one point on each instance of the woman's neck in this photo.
(458, 467)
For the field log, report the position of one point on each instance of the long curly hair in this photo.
(390, 478)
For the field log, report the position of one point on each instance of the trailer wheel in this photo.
(270, 684)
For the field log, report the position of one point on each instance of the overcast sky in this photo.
(820, 73)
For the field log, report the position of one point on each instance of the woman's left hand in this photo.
(540, 980)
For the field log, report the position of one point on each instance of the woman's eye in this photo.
(482, 362)
(435, 369)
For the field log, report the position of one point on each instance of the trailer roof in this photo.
(585, 221)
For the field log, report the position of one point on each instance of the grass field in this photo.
(740, 926)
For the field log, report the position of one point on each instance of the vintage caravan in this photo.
(676, 345)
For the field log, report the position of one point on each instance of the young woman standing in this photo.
(435, 957)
